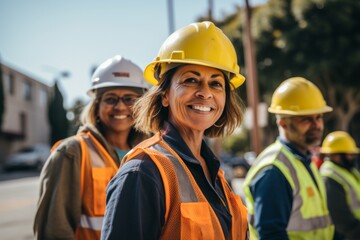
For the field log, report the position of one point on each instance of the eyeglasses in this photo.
(113, 100)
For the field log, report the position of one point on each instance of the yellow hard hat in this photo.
(198, 43)
(298, 96)
(339, 142)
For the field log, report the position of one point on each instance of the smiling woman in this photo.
(181, 192)
(73, 182)
(196, 98)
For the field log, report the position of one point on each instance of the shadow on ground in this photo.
(17, 174)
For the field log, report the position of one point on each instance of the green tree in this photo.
(57, 116)
(2, 97)
(317, 39)
(332, 54)
(273, 25)
(273, 28)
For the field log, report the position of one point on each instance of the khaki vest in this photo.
(97, 169)
(309, 218)
(349, 181)
(188, 214)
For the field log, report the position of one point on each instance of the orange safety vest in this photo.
(97, 169)
(188, 214)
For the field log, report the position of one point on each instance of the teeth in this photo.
(202, 108)
(120, 117)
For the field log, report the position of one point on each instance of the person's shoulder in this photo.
(142, 149)
(69, 142)
(64, 156)
(156, 138)
(68, 147)
(142, 167)
(269, 155)
(141, 163)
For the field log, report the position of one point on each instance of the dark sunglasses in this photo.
(113, 100)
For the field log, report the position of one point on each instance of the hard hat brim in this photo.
(324, 109)
(331, 151)
(130, 85)
(149, 73)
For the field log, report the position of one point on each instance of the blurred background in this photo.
(49, 49)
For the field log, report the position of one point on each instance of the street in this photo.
(19, 192)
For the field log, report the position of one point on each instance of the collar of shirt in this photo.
(98, 135)
(305, 158)
(172, 137)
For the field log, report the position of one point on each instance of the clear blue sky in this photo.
(43, 37)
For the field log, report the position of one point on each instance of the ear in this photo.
(165, 100)
(282, 122)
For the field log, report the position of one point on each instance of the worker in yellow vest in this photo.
(342, 182)
(285, 194)
(170, 186)
(73, 181)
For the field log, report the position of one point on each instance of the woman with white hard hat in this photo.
(74, 178)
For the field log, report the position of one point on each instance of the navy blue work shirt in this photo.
(136, 199)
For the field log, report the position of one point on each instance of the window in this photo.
(43, 98)
(5, 82)
(27, 89)
(9, 84)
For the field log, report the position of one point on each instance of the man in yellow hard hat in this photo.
(342, 182)
(285, 195)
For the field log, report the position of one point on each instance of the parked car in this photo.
(31, 157)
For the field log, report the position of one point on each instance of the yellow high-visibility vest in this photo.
(310, 217)
(349, 181)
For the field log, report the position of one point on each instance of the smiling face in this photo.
(115, 113)
(196, 97)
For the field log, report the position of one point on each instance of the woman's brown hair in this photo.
(150, 115)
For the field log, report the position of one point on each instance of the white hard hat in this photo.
(117, 72)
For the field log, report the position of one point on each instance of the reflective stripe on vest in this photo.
(94, 223)
(95, 155)
(187, 192)
(96, 170)
(297, 222)
(303, 216)
(349, 181)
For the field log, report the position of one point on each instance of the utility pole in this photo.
(210, 9)
(251, 81)
(171, 16)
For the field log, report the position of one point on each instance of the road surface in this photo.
(17, 207)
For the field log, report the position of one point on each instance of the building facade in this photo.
(25, 120)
